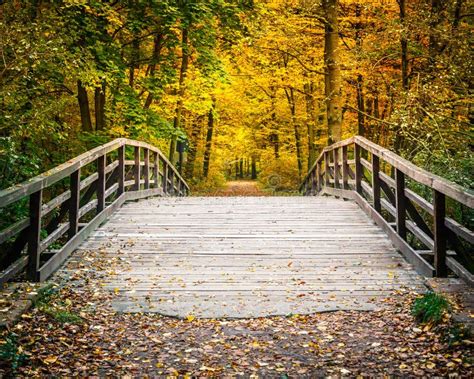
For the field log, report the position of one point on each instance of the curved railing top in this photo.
(16, 192)
(448, 188)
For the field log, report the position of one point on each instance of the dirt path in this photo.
(241, 188)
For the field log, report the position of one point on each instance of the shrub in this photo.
(430, 308)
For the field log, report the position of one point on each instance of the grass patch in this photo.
(430, 308)
(48, 302)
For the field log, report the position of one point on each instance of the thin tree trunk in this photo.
(182, 78)
(207, 151)
(157, 46)
(84, 109)
(404, 44)
(99, 98)
(311, 122)
(290, 96)
(332, 71)
(193, 147)
(254, 167)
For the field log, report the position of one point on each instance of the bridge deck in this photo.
(243, 257)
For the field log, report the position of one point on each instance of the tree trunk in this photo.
(404, 44)
(207, 151)
(290, 96)
(192, 149)
(254, 167)
(182, 77)
(99, 98)
(332, 71)
(157, 45)
(311, 122)
(83, 100)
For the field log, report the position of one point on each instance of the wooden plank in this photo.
(13, 230)
(146, 169)
(15, 268)
(358, 168)
(345, 168)
(336, 167)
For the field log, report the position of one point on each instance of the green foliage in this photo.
(11, 353)
(430, 308)
(49, 303)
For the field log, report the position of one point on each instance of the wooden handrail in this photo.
(154, 175)
(383, 197)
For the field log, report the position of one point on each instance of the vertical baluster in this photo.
(439, 207)
(137, 174)
(376, 182)
(345, 168)
(121, 170)
(75, 180)
(326, 169)
(320, 176)
(358, 168)
(156, 169)
(101, 183)
(171, 183)
(400, 203)
(335, 153)
(165, 177)
(313, 182)
(34, 232)
(146, 169)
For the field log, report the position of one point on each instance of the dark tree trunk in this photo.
(192, 150)
(254, 168)
(207, 151)
(182, 77)
(99, 97)
(332, 71)
(84, 109)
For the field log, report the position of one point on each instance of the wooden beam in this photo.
(439, 206)
(400, 203)
(376, 182)
(34, 241)
(74, 203)
(101, 184)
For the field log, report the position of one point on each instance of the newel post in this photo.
(165, 177)
(345, 169)
(335, 153)
(36, 200)
(156, 169)
(146, 157)
(439, 207)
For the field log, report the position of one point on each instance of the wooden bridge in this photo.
(377, 225)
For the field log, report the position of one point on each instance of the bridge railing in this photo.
(62, 206)
(414, 206)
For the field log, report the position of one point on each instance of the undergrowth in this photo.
(430, 308)
(48, 303)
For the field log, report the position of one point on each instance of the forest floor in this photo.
(240, 188)
(65, 336)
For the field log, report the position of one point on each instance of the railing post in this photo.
(156, 166)
(171, 177)
(165, 177)
(137, 169)
(101, 183)
(313, 182)
(345, 171)
(326, 169)
(439, 207)
(75, 187)
(376, 182)
(146, 157)
(400, 203)
(34, 232)
(336, 167)
(318, 168)
(358, 168)
(121, 170)
(320, 176)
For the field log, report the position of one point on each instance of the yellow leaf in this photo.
(190, 317)
(50, 360)
(159, 365)
(116, 290)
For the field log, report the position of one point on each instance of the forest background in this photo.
(245, 88)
